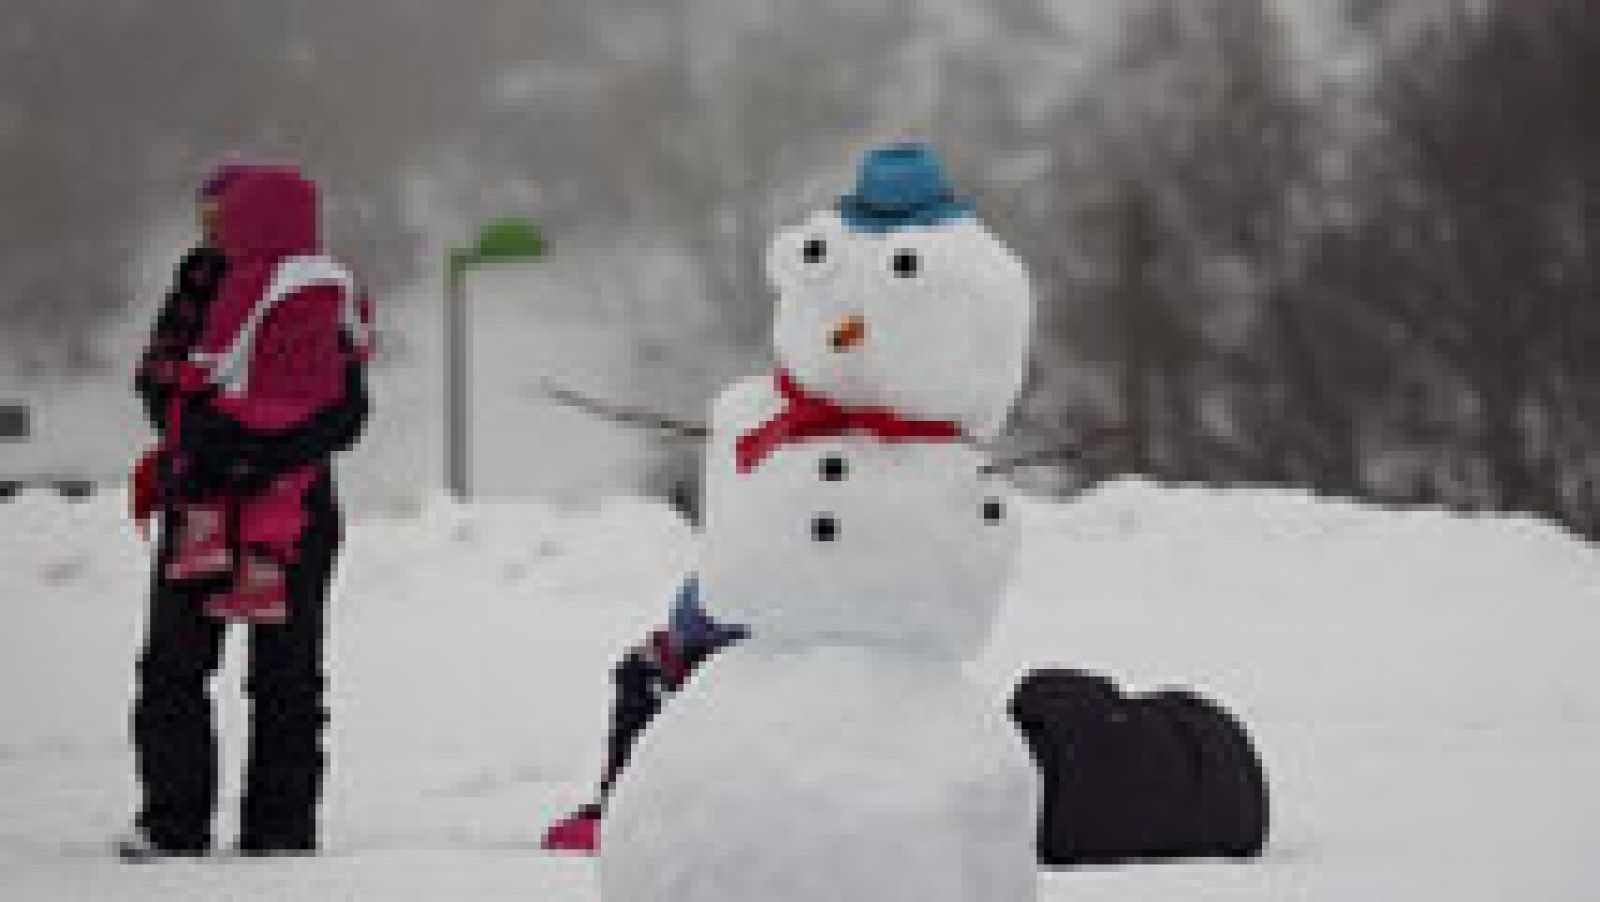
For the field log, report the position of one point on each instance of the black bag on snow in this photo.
(1164, 775)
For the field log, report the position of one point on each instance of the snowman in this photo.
(840, 753)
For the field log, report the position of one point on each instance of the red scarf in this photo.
(806, 416)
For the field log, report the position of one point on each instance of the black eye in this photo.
(833, 468)
(825, 528)
(815, 250)
(993, 511)
(906, 264)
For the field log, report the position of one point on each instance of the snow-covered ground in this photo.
(1421, 685)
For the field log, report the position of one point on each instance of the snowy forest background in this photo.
(1350, 245)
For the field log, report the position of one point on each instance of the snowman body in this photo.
(828, 773)
(853, 540)
(840, 754)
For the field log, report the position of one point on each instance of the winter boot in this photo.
(259, 594)
(137, 847)
(578, 833)
(253, 847)
(200, 549)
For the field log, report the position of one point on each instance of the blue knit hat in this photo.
(901, 185)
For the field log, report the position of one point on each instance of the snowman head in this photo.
(900, 298)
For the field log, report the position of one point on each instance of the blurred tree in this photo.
(1381, 288)
(1477, 242)
(1206, 142)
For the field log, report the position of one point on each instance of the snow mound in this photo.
(1421, 684)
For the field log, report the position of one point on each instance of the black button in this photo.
(906, 264)
(993, 511)
(825, 528)
(833, 468)
(814, 250)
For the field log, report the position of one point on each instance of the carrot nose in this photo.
(849, 333)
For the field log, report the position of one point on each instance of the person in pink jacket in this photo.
(269, 357)
(254, 378)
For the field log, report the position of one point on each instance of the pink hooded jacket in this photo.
(297, 363)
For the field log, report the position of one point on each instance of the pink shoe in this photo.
(258, 595)
(578, 833)
(201, 545)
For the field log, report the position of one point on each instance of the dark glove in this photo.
(215, 453)
(213, 472)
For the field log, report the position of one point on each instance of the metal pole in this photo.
(456, 378)
(507, 239)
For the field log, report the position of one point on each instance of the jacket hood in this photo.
(268, 212)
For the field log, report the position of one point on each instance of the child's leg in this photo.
(651, 671)
(275, 519)
(640, 687)
(259, 593)
(201, 548)
(270, 526)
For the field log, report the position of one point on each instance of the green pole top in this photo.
(504, 240)
(512, 238)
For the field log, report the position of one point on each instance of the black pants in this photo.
(642, 686)
(175, 744)
(639, 693)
